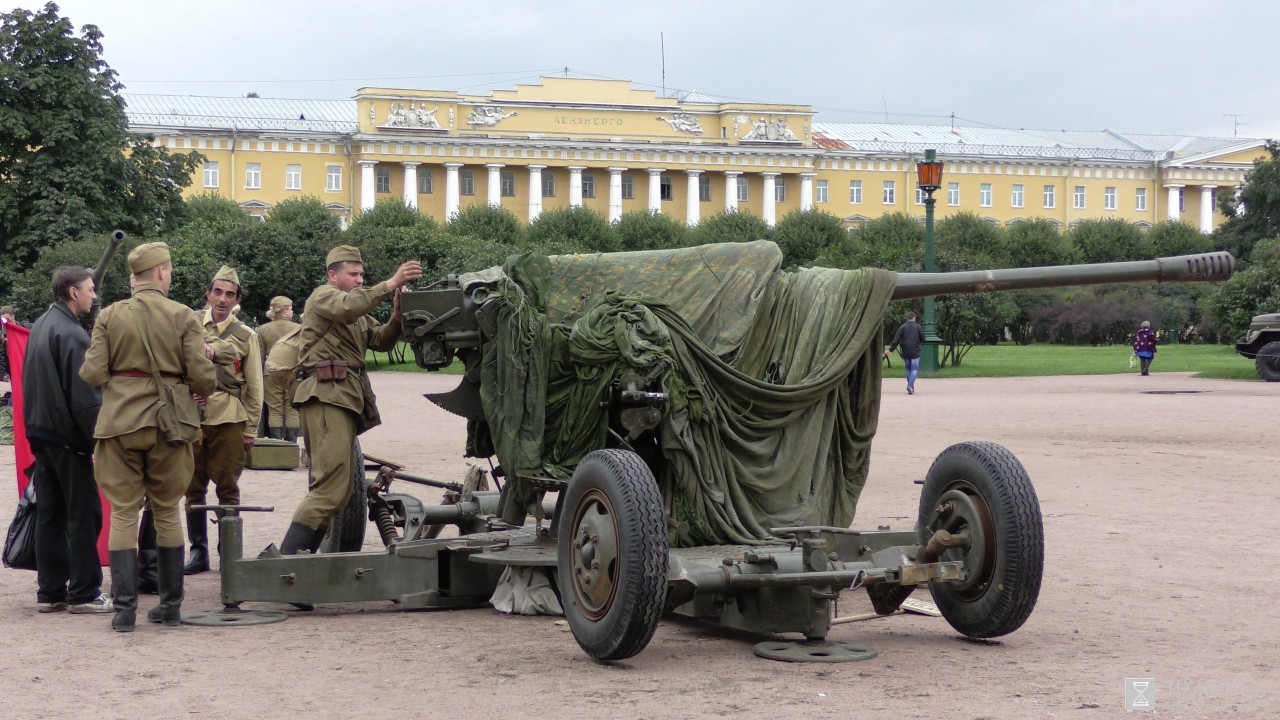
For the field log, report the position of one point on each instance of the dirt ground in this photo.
(1154, 491)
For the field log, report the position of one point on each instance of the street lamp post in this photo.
(929, 177)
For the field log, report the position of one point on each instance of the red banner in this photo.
(16, 346)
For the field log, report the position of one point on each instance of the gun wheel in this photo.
(980, 491)
(1268, 362)
(346, 534)
(613, 554)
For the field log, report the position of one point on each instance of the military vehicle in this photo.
(690, 431)
(1261, 344)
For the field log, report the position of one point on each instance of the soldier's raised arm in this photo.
(347, 307)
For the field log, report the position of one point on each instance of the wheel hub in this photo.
(963, 512)
(594, 553)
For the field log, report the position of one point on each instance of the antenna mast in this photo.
(662, 45)
(1235, 123)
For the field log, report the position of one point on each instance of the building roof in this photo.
(1002, 142)
(193, 112)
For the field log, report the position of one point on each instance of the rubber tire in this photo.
(1018, 528)
(640, 586)
(346, 534)
(1268, 362)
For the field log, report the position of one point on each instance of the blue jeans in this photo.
(913, 369)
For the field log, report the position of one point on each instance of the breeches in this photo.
(279, 400)
(140, 466)
(330, 432)
(219, 457)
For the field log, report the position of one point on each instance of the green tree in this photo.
(644, 230)
(1251, 291)
(970, 236)
(804, 234)
(1037, 243)
(496, 224)
(33, 290)
(69, 166)
(1109, 240)
(308, 219)
(578, 227)
(215, 213)
(390, 212)
(740, 226)
(1177, 238)
(1255, 214)
(890, 242)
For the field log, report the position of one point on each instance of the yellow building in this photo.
(607, 146)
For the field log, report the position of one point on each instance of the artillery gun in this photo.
(707, 464)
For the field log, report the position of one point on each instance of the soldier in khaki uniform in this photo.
(282, 416)
(132, 461)
(231, 413)
(334, 396)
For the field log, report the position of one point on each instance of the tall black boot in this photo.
(300, 537)
(198, 534)
(275, 432)
(124, 588)
(168, 611)
(147, 584)
(291, 434)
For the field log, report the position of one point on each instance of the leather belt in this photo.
(142, 374)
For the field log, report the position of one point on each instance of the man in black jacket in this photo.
(60, 411)
(907, 341)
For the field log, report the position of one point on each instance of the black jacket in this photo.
(57, 406)
(910, 337)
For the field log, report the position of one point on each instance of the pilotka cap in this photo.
(148, 255)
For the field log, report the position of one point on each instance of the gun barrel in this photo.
(1201, 267)
(100, 272)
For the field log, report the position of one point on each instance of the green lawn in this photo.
(1010, 360)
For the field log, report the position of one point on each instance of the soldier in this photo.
(132, 461)
(282, 416)
(334, 396)
(231, 413)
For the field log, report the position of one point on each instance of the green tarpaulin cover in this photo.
(773, 378)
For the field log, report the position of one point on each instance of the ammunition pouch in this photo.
(331, 371)
(226, 381)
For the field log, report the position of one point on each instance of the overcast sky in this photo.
(1154, 66)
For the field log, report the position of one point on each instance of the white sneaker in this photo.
(100, 604)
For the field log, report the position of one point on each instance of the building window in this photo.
(466, 182)
(855, 192)
(211, 174)
(333, 178)
(953, 194)
(1077, 199)
(984, 195)
(1140, 200)
(743, 192)
(704, 189)
(548, 185)
(1213, 199)
(292, 177)
(665, 189)
(253, 176)
(919, 195)
(1182, 200)
(588, 185)
(779, 190)
(888, 197)
(426, 185)
(1048, 197)
(1016, 198)
(382, 180)
(821, 191)
(508, 183)
(628, 187)
(1109, 198)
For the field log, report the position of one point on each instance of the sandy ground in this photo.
(1158, 495)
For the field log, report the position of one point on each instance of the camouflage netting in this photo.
(774, 378)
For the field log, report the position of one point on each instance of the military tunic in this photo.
(336, 327)
(278, 393)
(131, 461)
(227, 419)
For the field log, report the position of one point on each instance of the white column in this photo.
(806, 191)
(367, 187)
(575, 185)
(615, 194)
(731, 191)
(535, 191)
(655, 189)
(1239, 202)
(452, 198)
(411, 184)
(768, 208)
(693, 201)
(1172, 211)
(495, 184)
(1206, 208)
